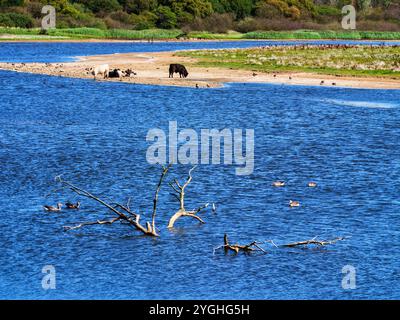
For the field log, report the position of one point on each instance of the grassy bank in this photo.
(355, 61)
(89, 33)
(162, 34)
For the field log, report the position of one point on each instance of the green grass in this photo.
(93, 33)
(215, 36)
(376, 61)
(315, 35)
(115, 33)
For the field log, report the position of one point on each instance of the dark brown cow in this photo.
(177, 68)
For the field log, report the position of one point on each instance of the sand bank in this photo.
(152, 68)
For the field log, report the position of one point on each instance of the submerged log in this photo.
(252, 246)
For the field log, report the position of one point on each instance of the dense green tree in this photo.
(101, 5)
(166, 19)
(138, 6)
(363, 4)
(218, 6)
(241, 8)
(197, 14)
(10, 3)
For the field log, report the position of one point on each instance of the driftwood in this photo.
(123, 212)
(179, 194)
(255, 245)
(92, 223)
(252, 246)
(313, 241)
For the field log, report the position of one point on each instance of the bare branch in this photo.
(124, 213)
(177, 183)
(252, 246)
(174, 195)
(256, 245)
(163, 174)
(200, 208)
(83, 224)
(313, 241)
(180, 196)
(173, 187)
(189, 178)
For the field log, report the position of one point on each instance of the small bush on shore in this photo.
(13, 19)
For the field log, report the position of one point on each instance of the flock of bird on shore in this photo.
(291, 78)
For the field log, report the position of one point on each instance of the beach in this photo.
(152, 69)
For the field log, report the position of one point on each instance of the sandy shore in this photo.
(152, 68)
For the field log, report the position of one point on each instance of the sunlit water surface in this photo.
(94, 134)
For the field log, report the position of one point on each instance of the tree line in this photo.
(204, 15)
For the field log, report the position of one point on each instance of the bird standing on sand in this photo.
(52, 208)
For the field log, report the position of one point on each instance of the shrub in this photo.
(102, 5)
(5, 20)
(294, 13)
(19, 20)
(146, 20)
(138, 6)
(35, 9)
(266, 10)
(249, 24)
(218, 23)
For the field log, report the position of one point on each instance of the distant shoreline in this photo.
(152, 69)
(104, 35)
(5, 40)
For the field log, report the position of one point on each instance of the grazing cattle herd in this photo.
(105, 71)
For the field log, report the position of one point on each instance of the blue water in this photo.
(93, 133)
(67, 51)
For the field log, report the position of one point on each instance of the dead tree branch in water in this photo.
(123, 212)
(252, 246)
(313, 241)
(67, 228)
(180, 196)
(255, 245)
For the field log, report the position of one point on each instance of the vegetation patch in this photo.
(378, 61)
